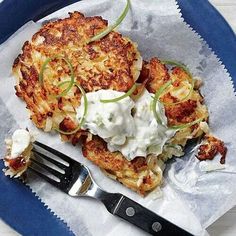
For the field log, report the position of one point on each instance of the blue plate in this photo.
(18, 205)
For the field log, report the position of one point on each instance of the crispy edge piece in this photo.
(92, 69)
(155, 73)
(210, 148)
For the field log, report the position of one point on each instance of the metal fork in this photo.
(75, 179)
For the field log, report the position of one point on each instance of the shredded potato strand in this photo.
(43, 68)
(81, 122)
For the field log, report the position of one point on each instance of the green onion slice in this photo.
(82, 120)
(156, 98)
(43, 69)
(141, 88)
(164, 87)
(127, 94)
(72, 76)
(110, 28)
(184, 98)
(183, 126)
(172, 145)
(178, 64)
(184, 67)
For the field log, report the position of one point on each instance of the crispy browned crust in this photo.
(135, 174)
(156, 73)
(210, 148)
(110, 63)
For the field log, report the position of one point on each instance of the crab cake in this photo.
(58, 52)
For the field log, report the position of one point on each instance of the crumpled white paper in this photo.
(191, 199)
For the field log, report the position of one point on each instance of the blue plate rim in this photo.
(188, 10)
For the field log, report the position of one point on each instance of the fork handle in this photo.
(136, 214)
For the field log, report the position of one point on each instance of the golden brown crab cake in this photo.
(178, 109)
(138, 174)
(113, 62)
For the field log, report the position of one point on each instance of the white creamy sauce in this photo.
(137, 135)
(149, 136)
(111, 121)
(20, 141)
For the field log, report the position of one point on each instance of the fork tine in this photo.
(49, 169)
(53, 151)
(49, 180)
(57, 163)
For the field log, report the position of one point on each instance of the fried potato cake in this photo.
(113, 62)
(178, 110)
(136, 174)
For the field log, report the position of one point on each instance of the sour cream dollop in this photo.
(20, 141)
(111, 121)
(137, 135)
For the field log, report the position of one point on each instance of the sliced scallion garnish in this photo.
(178, 64)
(72, 76)
(140, 88)
(72, 79)
(43, 69)
(183, 99)
(127, 94)
(111, 27)
(183, 126)
(164, 87)
(82, 120)
(85, 104)
(184, 67)
(156, 98)
(69, 132)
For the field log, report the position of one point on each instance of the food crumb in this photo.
(210, 147)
